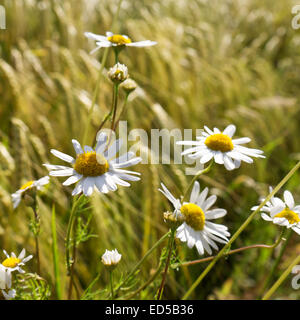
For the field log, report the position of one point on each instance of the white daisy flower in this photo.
(11, 294)
(220, 146)
(197, 230)
(284, 213)
(14, 263)
(96, 169)
(17, 196)
(116, 40)
(111, 258)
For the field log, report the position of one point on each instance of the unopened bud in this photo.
(172, 220)
(111, 258)
(129, 85)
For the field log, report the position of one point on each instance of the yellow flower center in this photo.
(219, 142)
(27, 185)
(288, 214)
(194, 216)
(90, 164)
(119, 39)
(11, 262)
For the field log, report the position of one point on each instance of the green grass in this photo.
(216, 62)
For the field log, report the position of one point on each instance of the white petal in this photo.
(289, 199)
(144, 43)
(72, 179)
(62, 173)
(113, 149)
(77, 147)
(62, 156)
(209, 202)
(215, 214)
(207, 157)
(88, 186)
(230, 130)
(195, 192)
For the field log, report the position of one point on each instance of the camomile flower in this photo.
(95, 169)
(116, 40)
(11, 294)
(221, 147)
(111, 258)
(17, 196)
(14, 263)
(284, 213)
(197, 229)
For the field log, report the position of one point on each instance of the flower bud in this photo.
(111, 258)
(172, 220)
(129, 85)
(118, 73)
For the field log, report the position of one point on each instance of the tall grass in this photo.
(216, 62)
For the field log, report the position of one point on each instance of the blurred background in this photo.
(216, 63)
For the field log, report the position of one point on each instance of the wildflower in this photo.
(118, 73)
(220, 146)
(116, 40)
(284, 213)
(197, 230)
(96, 168)
(30, 185)
(129, 85)
(111, 258)
(13, 263)
(11, 294)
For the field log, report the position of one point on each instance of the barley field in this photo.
(215, 63)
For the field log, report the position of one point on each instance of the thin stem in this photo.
(276, 263)
(70, 265)
(105, 119)
(36, 237)
(115, 105)
(71, 282)
(95, 96)
(170, 247)
(133, 271)
(146, 284)
(111, 285)
(285, 274)
(122, 111)
(197, 175)
(253, 246)
(239, 231)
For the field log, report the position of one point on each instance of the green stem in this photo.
(198, 174)
(95, 96)
(276, 263)
(133, 271)
(170, 247)
(253, 246)
(146, 284)
(285, 274)
(115, 105)
(105, 119)
(239, 231)
(36, 237)
(122, 111)
(111, 285)
(69, 231)
(71, 282)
